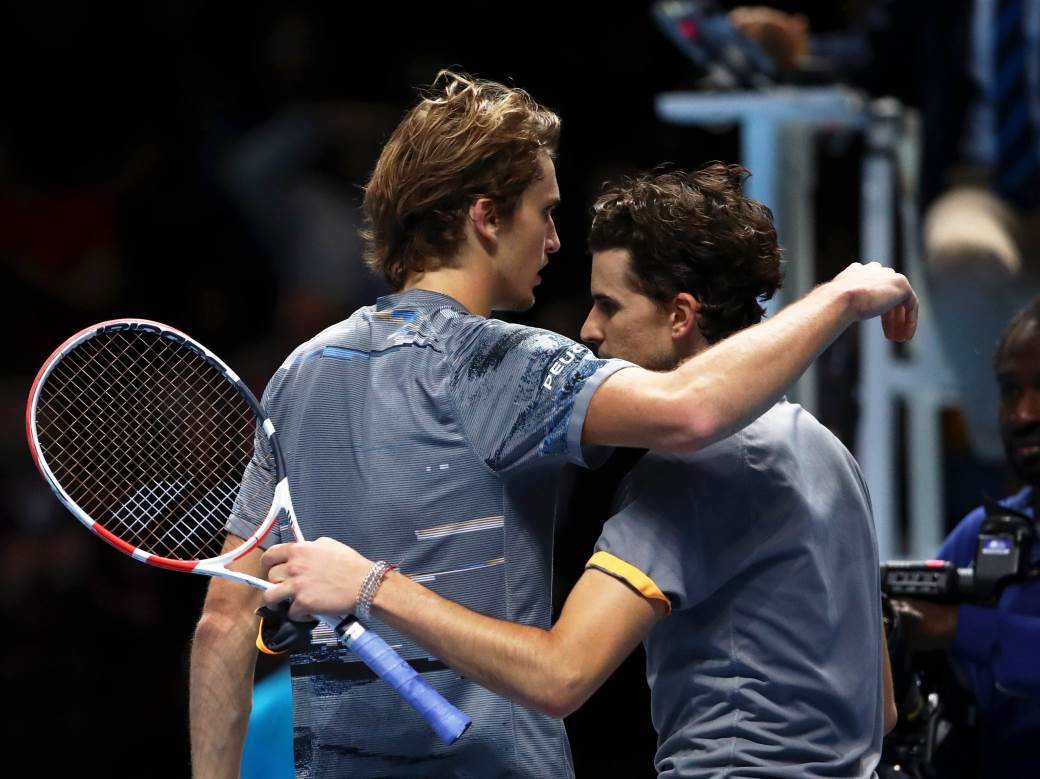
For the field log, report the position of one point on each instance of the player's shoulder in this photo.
(785, 447)
(785, 415)
(790, 426)
(491, 329)
(331, 335)
(485, 344)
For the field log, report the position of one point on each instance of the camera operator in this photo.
(997, 650)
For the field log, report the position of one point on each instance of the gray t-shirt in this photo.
(429, 437)
(769, 664)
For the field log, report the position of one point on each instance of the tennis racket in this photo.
(144, 435)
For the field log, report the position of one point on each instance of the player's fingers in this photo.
(276, 555)
(898, 330)
(913, 307)
(886, 324)
(275, 595)
(298, 612)
(903, 326)
(276, 573)
(900, 322)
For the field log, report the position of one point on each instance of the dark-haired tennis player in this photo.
(424, 433)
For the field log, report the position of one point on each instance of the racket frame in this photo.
(213, 566)
(446, 720)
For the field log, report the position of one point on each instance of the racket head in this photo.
(144, 435)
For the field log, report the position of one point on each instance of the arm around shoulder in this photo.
(722, 389)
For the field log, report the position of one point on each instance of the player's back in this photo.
(769, 664)
(433, 439)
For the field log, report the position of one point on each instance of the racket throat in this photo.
(283, 500)
(221, 572)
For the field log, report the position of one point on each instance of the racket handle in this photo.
(447, 721)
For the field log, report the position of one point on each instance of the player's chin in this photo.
(524, 301)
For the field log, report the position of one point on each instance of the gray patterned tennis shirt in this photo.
(763, 546)
(432, 438)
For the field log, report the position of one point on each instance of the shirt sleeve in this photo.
(646, 543)
(521, 394)
(258, 482)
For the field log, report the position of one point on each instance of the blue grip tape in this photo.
(447, 721)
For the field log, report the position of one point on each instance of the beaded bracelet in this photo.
(369, 587)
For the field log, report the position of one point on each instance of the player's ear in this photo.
(684, 309)
(485, 218)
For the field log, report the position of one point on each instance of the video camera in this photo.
(931, 702)
(1001, 556)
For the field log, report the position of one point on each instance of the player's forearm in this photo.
(722, 389)
(737, 380)
(891, 714)
(223, 658)
(520, 662)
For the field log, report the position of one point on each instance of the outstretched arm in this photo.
(721, 390)
(553, 671)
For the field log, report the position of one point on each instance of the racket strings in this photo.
(149, 439)
(145, 447)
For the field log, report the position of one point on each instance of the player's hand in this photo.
(873, 290)
(927, 625)
(318, 577)
(785, 37)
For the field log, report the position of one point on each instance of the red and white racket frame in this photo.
(214, 566)
(446, 720)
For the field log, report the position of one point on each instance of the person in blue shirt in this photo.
(997, 650)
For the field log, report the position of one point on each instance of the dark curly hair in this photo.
(697, 233)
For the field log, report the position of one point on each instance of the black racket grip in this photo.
(279, 633)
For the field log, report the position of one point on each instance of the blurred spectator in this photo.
(297, 179)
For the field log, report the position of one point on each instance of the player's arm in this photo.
(223, 659)
(722, 389)
(553, 671)
(891, 714)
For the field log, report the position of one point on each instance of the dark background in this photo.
(121, 133)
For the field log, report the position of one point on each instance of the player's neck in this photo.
(689, 347)
(461, 283)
